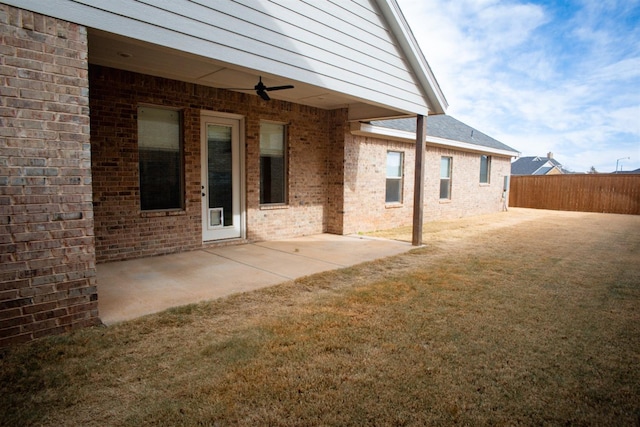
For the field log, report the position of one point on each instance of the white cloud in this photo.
(535, 65)
(626, 69)
(540, 79)
(627, 119)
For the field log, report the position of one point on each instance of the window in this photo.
(485, 169)
(445, 178)
(160, 158)
(394, 177)
(273, 164)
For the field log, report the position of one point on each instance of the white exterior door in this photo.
(222, 186)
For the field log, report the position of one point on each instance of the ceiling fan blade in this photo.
(261, 89)
(263, 94)
(279, 87)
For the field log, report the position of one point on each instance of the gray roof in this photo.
(443, 126)
(533, 165)
(628, 172)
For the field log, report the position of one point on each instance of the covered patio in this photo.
(134, 288)
(146, 131)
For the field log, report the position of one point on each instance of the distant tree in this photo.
(593, 170)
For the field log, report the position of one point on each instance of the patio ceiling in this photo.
(116, 51)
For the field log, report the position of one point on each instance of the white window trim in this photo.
(449, 178)
(399, 178)
(488, 181)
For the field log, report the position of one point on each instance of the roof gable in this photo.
(415, 57)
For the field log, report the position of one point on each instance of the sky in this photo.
(540, 76)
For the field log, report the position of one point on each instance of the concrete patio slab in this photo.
(130, 289)
(286, 265)
(345, 251)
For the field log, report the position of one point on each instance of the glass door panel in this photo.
(221, 183)
(220, 175)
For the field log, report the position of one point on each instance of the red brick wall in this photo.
(123, 231)
(365, 180)
(47, 260)
(365, 176)
(336, 180)
(336, 170)
(468, 196)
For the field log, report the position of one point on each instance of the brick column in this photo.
(47, 255)
(334, 208)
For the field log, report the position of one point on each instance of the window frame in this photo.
(399, 179)
(448, 179)
(487, 173)
(180, 174)
(285, 167)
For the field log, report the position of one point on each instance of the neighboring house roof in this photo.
(442, 130)
(535, 165)
(629, 172)
(337, 54)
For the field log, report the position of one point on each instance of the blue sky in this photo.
(540, 76)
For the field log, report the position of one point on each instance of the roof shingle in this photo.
(533, 165)
(446, 127)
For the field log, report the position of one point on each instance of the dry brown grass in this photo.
(524, 318)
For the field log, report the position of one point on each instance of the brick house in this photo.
(536, 165)
(134, 129)
(465, 172)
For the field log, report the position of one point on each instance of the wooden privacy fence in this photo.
(608, 193)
